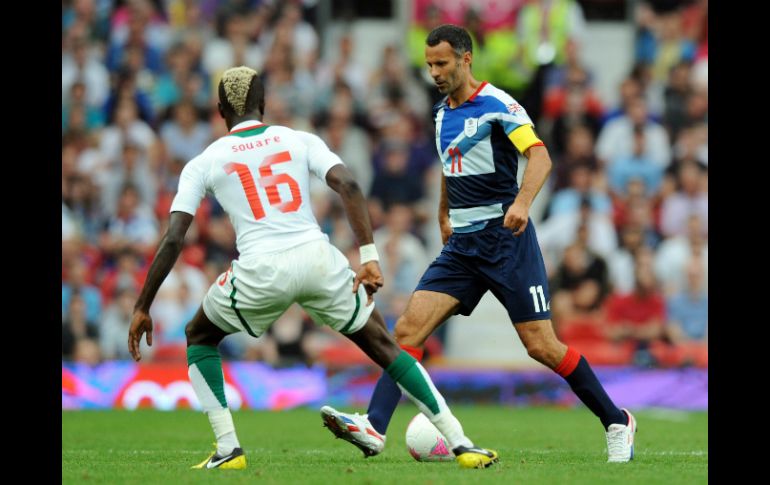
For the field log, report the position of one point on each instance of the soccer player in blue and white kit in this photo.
(489, 241)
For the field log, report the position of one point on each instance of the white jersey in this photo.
(260, 175)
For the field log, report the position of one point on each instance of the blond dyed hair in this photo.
(236, 82)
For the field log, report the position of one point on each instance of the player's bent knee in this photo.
(546, 349)
(193, 335)
(200, 331)
(408, 333)
(537, 351)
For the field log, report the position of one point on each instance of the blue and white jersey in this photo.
(479, 160)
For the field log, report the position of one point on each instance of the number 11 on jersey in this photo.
(269, 182)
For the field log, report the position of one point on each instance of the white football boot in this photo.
(620, 440)
(354, 428)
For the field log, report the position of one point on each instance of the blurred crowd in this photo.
(622, 221)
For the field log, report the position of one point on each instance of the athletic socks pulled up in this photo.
(208, 382)
(415, 382)
(575, 370)
(387, 395)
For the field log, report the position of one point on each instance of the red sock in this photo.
(415, 352)
(568, 363)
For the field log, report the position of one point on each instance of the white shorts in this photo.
(252, 294)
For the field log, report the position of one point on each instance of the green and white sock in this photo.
(415, 382)
(204, 366)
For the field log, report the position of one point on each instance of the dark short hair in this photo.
(457, 37)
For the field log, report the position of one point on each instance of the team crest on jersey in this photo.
(471, 126)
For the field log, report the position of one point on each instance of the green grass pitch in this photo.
(536, 445)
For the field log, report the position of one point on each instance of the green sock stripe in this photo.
(237, 312)
(355, 314)
(196, 353)
(400, 366)
(209, 364)
(404, 371)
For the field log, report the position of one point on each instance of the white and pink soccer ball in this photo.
(425, 442)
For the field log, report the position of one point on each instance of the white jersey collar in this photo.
(246, 125)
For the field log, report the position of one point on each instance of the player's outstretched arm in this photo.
(341, 180)
(538, 167)
(167, 254)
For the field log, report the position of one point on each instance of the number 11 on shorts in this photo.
(535, 290)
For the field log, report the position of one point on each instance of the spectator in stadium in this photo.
(126, 88)
(545, 28)
(559, 231)
(220, 241)
(295, 30)
(132, 168)
(676, 96)
(638, 317)
(584, 186)
(169, 86)
(82, 203)
(184, 136)
(85, 14)
(578, 265)
(691, 147)
(115, 324)
(646, 21)
(688, 318)
(132, 227)
(675, 253)
(403, 259)
(392, 83)
(76, 283)
(636, 210)
(572, 72)
(93, 117)
(418, 31)
(637, 165)
(125, 127)
(339, 94)
(698, 106)
(342, 67)
(670, 47)
(350, 142)
(630, 89)
(579, 150)
(177, 300)
(622, 261)
(690, 199)
(288, 342)
(140, 20)
(79, 65)
(77, 331)
(128, 271)
(395, 183)
(616, 140)
(291, 83)
(571, 115)
(231, 46)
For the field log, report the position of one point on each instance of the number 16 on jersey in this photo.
(269, 182)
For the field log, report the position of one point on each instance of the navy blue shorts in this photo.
(512, 268)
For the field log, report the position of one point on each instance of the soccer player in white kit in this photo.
(260, 175)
